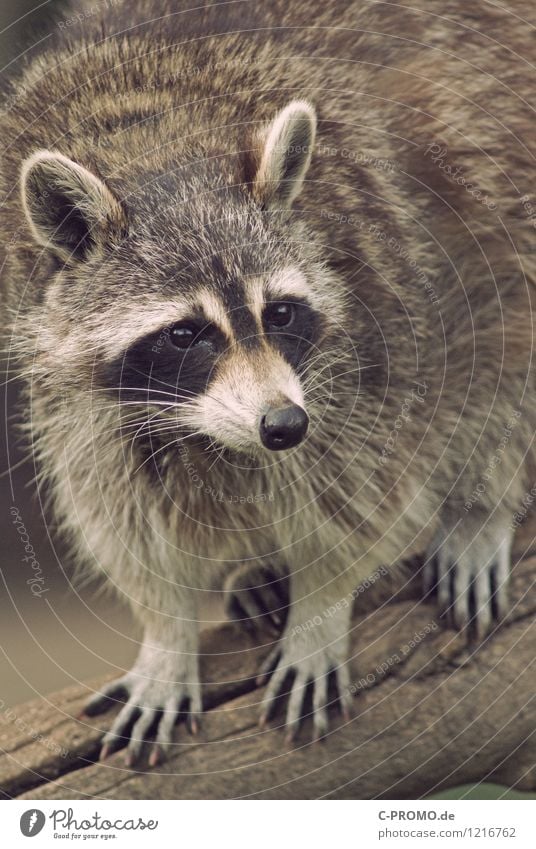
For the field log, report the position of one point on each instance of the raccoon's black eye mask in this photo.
(293, 327)
(176, 361)
(180, 359)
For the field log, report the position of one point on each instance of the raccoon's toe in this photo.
(314, 675)
(255, 595)
(147, 718)
(470, 575)
(310, 665)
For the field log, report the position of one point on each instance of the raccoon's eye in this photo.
(279, 314)
(185, 335)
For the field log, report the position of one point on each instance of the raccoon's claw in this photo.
(470, 576)
(255, 595)
(149, 714)
(311, 671)
(111, 693)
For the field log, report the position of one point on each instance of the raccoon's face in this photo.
(232, 361)
(210, 317)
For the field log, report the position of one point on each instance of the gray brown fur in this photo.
(438, 296)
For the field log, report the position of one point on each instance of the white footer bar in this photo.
(271, 824)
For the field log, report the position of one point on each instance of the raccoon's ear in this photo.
(286, 155)
(69, 210)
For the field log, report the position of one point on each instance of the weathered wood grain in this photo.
(431, 712)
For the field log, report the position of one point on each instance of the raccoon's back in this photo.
(379, 75)
(118, 81)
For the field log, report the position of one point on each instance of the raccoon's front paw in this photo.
(311, 663)
(468, 564)
(150, 711)
(255, 595)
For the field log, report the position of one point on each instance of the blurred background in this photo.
(69, 633)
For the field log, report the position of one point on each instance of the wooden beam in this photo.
(431, 712)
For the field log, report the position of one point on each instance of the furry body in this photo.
(409, 239)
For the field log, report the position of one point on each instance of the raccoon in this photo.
(269, 274)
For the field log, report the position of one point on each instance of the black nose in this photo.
(283, 427)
